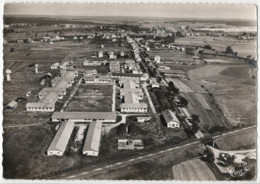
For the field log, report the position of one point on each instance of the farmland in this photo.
(233, 89)
(193, 170)
(244, 48)
(91, 98)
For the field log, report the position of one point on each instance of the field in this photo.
(91, 98)
(193, 170)
(244, 48)
(232, 88)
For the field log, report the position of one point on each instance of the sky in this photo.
(141, 10)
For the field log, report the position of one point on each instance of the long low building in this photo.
(46, 104)
(93, 138)
(61, 139)
(84, 116)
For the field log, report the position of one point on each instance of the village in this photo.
(105, 93)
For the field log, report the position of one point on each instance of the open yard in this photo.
(92, 98)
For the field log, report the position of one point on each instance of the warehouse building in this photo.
(61, 139)
(93, 138)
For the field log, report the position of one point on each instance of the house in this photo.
(61, 139)
(170, 119)
(130, 64)
(157, 59)
(111, 55)
(122, 53)
(84, 116)
(114, 66)
(134, 107)
(100, 54)
(130, 144)
(55, 66)
(143, 119)
(12, 105)
(93, 138)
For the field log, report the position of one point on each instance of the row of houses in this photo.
(92, 141)
(49, 96)
(131, 94)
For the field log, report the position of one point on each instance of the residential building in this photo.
(97, 79)
(61, 139)
(93, 138)
(100, 54)
(170, 119)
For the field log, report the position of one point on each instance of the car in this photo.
(29, 93)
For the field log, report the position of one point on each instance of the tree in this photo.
(171, 85)
(179, 34)
(229, 50)
(208, 47)
(195, 118)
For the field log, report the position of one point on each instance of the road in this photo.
(71, 95)
(21, 126)
(149, 99)
(142, 156)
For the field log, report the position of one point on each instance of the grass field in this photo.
(233, 89)
(92, 98)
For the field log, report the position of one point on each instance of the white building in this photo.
(171, 119)
(157, 59)
(84, 116)
(100, 54)
(61, 139)
(129, 144)
(93, 138)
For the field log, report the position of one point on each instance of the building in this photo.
(46, 104)
(126, 75)
(111, 55)
(84, 116)
(61, 139)
(97, 80)
(100, 54)
(157, 59)
(131, 96)
(90, 72)
(130, 144)
(55, 66)
(122, 53)
(92, 63)
(45, 91)
(93, 138)
(114, 66)
(171, 119)
(143, 119)
(130, 64)
(12, 105)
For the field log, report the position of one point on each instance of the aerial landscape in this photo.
(150, 94)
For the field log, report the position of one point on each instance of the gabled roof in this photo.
(92, 140)
(84, 115)
(169, 116)
(62, 137)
